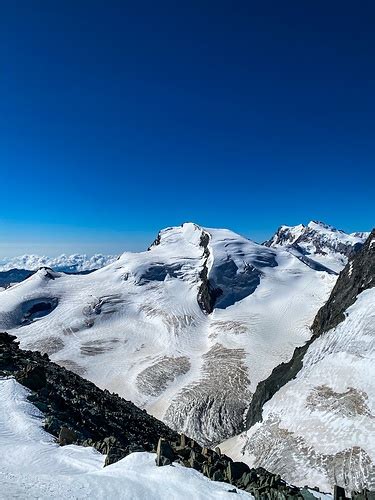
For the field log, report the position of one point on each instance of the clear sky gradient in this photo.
(120, 118)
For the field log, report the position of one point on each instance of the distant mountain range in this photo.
(325, 244)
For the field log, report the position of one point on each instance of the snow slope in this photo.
(139, 327)
(320, 427)
(320, 242)
(32, 465)
(64, 263)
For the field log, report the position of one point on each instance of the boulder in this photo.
(115, 454)
(235, 471)
(182, 440)
(338, 493)
(135, 448)
(218, 475)
(53, 425)
(164, 453)
(33, 377)
(198, 457)
(66, 436)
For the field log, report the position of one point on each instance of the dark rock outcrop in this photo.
(66, 436)
(32, 376)
(357, 276)
(207, 294)
(156, 242)
(164, 453)
(280, 376)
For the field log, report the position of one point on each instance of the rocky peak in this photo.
(360, 234)
(326, 238)
(317, 234)
(327, 245)
(319, 225)
(285, 235)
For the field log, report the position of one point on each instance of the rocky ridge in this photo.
(357, 276)
(319, 243)
(76, 411)
(322, 237)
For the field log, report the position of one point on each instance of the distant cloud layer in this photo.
(67, 263)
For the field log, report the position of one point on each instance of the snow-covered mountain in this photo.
(194, 328)
(320, 242)
(186, 329)
(319, 428)
(63, 263)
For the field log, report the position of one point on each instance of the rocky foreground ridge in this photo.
(78, 412)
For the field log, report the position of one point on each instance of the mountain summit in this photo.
(321, 242)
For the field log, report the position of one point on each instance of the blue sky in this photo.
(120, 118)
